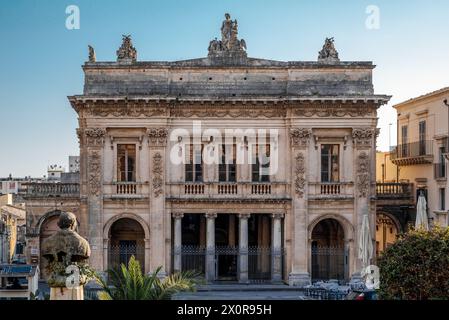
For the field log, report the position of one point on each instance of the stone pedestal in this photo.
(299, 279)
(76, 293)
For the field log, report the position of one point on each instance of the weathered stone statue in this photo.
(328, 54)
(67, 254)
(126, 52)
(92, 57)
(229, 48)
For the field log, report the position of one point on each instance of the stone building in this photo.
(241, 168)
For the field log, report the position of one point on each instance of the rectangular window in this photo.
(404, 141)
(194, 163)
(227, 165)
(442, 199)
(330, 167)
(261, 160)
(126, 162)
(422, 138)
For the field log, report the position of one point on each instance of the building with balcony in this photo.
(419, 158)
(243, 169)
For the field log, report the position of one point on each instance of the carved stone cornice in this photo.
(300, 137)
(157, 171)
(334, 111)
(157, 136)
(363, 175)
(300, 170)
(95, 136)
(363, 137)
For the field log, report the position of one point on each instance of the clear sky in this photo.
(40, 59)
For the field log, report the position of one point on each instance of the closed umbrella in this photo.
(421, 214)
(365, 242)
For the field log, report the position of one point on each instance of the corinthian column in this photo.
(276, 248)
(210, 246)
(243, 248)
(177, 258)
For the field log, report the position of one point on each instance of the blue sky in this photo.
(40, 60)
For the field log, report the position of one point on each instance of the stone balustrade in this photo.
(126, 189)
(331, 190)
(31, 190)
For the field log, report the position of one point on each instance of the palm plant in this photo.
(130, 283)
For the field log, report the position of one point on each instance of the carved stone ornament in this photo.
(330, 111)
(157, 136)
(228, 112)
(300, 181)
(94, 164)
(92, 56)
(300, 137)
(328, 54)
(126, 110)
(157, 175)
(95, 136)
(363, 136)
(126, 52)
(363, 175)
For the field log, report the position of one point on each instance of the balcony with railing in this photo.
(48, 190)
(331, 190)
(395, 191)
(420, 152)
(126, 190)
(228, 190)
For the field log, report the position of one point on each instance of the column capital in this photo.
(211, 215)
(277, 215)
(244, 215)
(177, 215)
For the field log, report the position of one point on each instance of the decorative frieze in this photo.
(157, 136)
(333, 111)
(157, 172)
(94, 164)
(300, 137)
(132, 110)
(363, 175)
(178, 215)
(222, 112)
(300, 181)
(363, 137)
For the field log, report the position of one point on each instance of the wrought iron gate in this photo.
(259, 264)
(329, 262)
(226, 262)
(193, 258)
(122, 253)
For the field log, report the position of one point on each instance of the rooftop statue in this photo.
(328, 54)
(229, 45)
(127, 52)
(92, 56)
(66, 247)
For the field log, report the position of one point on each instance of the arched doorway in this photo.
(48, 228)
(386, 232)
(126, 239)
(329, 258)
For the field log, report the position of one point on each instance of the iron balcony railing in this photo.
(440, 170)
(413, 149)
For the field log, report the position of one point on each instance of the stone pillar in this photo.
(147, 255)
(177, 241)
(300, 140)
(276, 247)
(105, 254)
(210, 246)
(157, 140)
(243, 248)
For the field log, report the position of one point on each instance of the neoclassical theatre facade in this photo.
(244, 169)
